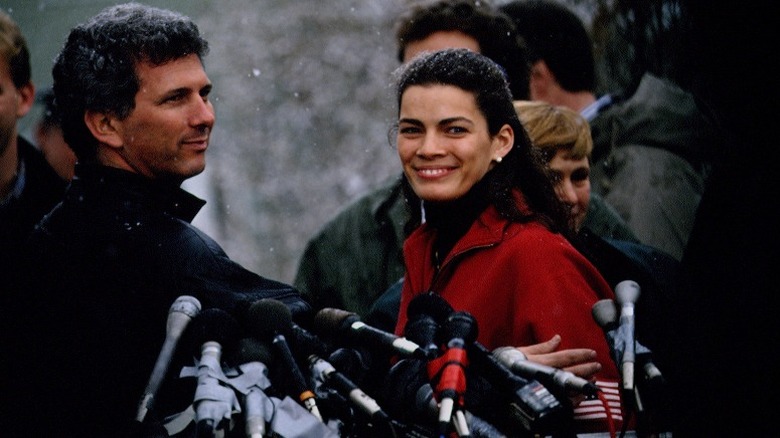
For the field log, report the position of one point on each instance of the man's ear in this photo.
(542, 80)
(26, 96)
(102, 126)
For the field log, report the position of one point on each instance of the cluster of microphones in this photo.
(261, 374)
(643, 384)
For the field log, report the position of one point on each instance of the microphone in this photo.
(255, 400)
(605, 314)
(516, 361)
(626, 294)
(326, 373)
(337, 322)
(525, 401)
(270, 318)
(314, 349)
(180, 314)
(449, 370)
(412, 400)
(424, 314)
(213, 402)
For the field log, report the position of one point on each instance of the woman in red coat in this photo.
(490, 242)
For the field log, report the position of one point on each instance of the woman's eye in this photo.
(580, 175)
(408, 130)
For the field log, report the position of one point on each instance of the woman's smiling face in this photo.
(444, 143)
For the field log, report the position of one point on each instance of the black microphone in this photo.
(180, 314)
(315, 349)
(449, 370)
(413, 403)
(337, 322)
(516, 361)
(626, 294)
(268, 318)
(528, 402)
(424, 314)
(214, 329)
(325, 372)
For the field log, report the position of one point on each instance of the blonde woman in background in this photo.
(563, 136)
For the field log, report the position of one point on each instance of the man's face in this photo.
(444, 39)
(167, 133)
(14, 103)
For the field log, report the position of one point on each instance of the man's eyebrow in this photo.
(173, 92)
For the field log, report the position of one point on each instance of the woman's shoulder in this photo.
(533, 234)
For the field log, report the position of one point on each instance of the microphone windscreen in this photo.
(401, 385)
(429, 303)
(267, 317)
(215, 325)
(460, 325)
(328, 321)
(251, 350)
(605, 314)
(187, 305)
(627, 292)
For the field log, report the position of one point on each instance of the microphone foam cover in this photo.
(252, 350)
(462, 325)
(267, 317)
(627, 292)
(187, 305)
(429, 303)
(215, 325)
(605, 313)
(328, 320)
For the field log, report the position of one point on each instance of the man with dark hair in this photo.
(560, 53)
(493, 32)
(104, 267)
(29, 187)
(356, 256)
(650, 151)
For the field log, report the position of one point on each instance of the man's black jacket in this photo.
(102, 271)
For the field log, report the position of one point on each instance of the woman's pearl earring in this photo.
(498, 159)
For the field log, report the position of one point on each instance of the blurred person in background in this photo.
(49, 139)
(651, 147)
(29, 187)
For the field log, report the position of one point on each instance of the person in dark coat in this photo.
(652, 145)
(29, 187)
(104, 267)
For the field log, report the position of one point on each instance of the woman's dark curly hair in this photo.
(96, 69)
(522, 168)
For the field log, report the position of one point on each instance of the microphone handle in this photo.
(629, 354)
(305, 395)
